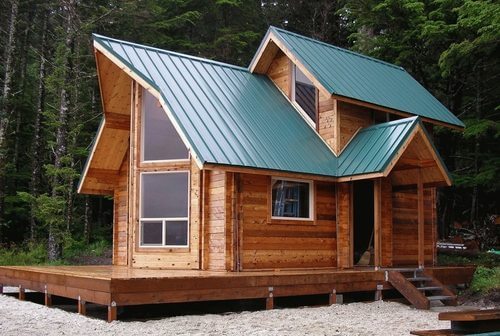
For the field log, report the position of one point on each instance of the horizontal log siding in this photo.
(268, 244)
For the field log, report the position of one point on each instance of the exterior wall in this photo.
(351, 119)
(327, 120)
(280, 71)
(120, 217)
(160, 257)
(214, 231)
(386, 256)
(267, 243)
(405, 226)
(344, 225)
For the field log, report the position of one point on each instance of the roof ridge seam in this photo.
(341, 49)
(172, 53)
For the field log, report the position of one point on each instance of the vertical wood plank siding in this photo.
(120, 216)
(405, 229)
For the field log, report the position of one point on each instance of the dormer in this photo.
(338, 92)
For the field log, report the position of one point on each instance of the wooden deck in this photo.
(115, 286)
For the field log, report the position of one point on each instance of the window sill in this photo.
(279, 221)
(163, 249)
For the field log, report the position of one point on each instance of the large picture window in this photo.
(164, 209)
(291, 199)
(304, 93)
(160, 140)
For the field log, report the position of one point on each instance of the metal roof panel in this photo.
(349, 74)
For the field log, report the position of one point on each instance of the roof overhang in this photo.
(416, 152)
(272, 43)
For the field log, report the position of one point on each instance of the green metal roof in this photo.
(230, 116)
(374, 147)
(349, 74)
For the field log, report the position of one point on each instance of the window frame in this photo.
(143, 132)
(311, 200)
(303, 113)
(164, 220)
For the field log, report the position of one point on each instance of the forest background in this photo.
(50, 106)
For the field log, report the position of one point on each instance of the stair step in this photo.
(440, 297)
(429, 288)
(419, 279)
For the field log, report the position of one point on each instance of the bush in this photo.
(486, 279)
(31, 254)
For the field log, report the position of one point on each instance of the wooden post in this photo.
(1, 289)
(48, 298)
(22, 294)
(377, 222)
(82, 309)
(112, 312)
(332, 297)
(270, 299)
(420, 210)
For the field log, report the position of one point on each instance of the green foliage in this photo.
(482, 259)
(31, 254)
(73, 249)
(486, 279)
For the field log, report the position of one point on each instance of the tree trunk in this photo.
(54, 246)
(4, 106)
(35, 146)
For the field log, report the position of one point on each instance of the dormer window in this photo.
(304, 94)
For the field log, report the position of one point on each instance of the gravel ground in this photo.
(377, 318)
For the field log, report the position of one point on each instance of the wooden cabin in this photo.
(314, 159)
(307, 159)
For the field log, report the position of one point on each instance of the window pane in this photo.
(290, 199)
(151, 233)
(176, 233)
(305, 94)
(160, 139)
(164, 195)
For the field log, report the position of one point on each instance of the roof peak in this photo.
(97, 37)
(337, 48)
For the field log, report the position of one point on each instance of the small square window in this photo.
(291, 199)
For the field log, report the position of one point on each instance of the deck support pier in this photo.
(82, 308)
(1, 289)
(378, 292)
(48, 298)
(332, 297)
(270, 299)
(112, 313)
(22, 293)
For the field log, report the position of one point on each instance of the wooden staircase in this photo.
(420, 288)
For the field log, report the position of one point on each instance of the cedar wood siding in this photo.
(405, 228)
(120, 216)
(271, 244)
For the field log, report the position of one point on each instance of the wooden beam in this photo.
(393, 111)
(377, 222)
(420, 209)
(47, 297)
(117, 121)
(112, 313)
(22, 293)
(82, 309)
(262, 171)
